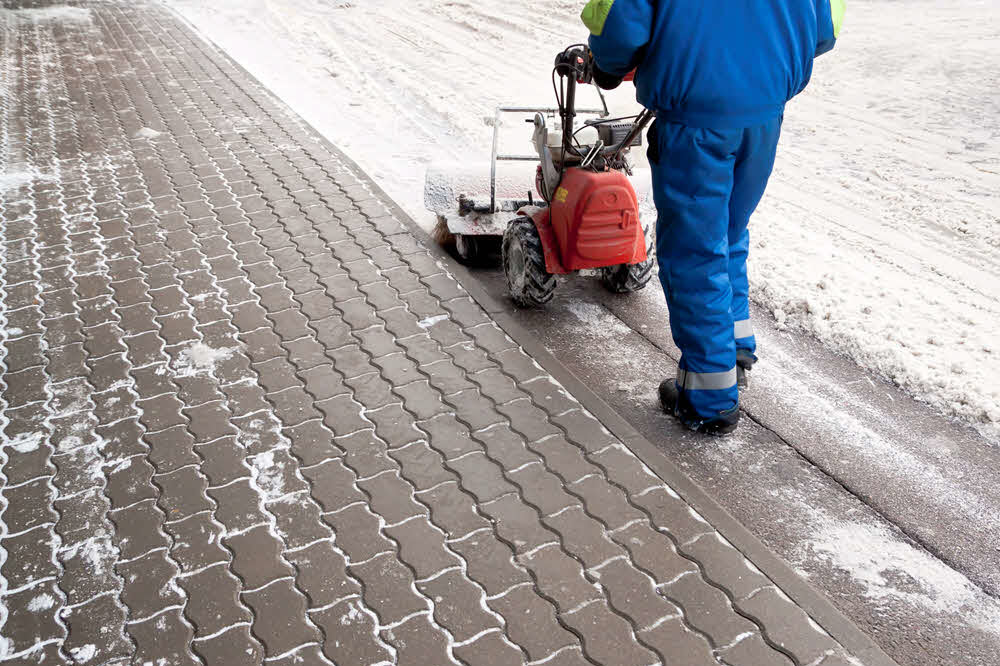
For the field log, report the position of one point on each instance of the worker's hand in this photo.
(604, 80)
(575, 63)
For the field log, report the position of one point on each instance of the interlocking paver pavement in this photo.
(247, 417)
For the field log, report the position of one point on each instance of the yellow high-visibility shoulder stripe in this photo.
(596, 13)
(837, 10)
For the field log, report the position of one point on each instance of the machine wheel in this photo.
(626, 278)
(530, 285)
(474, 250)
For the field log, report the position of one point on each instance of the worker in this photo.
(718, 74)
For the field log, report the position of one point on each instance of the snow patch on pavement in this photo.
(147, 133)
(25, 442)
(41, 602)
(199, 359)
(84, 653)
(430, 321)
(62, 13)
(888, 569)
(13, 180)
(598, 322)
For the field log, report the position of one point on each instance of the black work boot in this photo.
(676, 405)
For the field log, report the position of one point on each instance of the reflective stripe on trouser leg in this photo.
(742, 329)
(706, 381)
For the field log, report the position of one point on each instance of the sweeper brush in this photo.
(570, 205)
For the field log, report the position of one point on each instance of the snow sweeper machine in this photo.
(586, 214)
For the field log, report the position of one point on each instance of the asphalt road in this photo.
(890, 509)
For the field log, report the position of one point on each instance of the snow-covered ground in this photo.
(879, 234)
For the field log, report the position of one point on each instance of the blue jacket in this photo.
(713, 63)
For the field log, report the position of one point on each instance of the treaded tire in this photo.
(626, 278)
(477, 251)
(529, 284)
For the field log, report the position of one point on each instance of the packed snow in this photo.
(878, 235)
(889, 568)
(54, 13)
(199, 359)
(15, 179)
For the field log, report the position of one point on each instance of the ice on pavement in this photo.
(890, 569)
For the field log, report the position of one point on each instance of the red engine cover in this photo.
(595, 220)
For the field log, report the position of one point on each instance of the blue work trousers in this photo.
(706, 184)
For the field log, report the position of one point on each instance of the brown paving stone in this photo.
(490, 562)
(342, 415)
(197, 543)
(139, 528)
(211, 613)
(351, 634)
(422, 547)
(421, 400)
(418, 642)
(165, 639)
(611, 638)
(788, 627)
(357, 531)
(209, 421)
(391, 496)
(308, 655)
(449, 437)
(395, 425)
(683, 526)
(482, 477)
(236, 504)
(333, 485)
(171, 449)
(707, 609)
(680, 644)
(753, 651)
(28, 506)
(183, 493)
(235, 645)
(421, 466)
(459, 605)
(371, 390)
(312, 442)
(148, 588)
(322, 573)
(97, 625)
(559, 577)
(654, 553)
(542, 489)
(222, 461)
(490, 649)
(298, 519)
(280, 618)
(532, 624)
(634, 594)
(257, 557)
(25, 627)
(605, 502)
(29, 558)
(128, 481)
(388, 588)
(453, 510)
